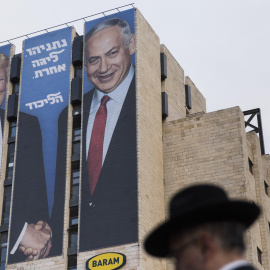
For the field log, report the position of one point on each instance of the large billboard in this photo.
(4, 67)
(40, 172)
(109, 203)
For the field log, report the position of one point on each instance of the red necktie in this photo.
(94, 162)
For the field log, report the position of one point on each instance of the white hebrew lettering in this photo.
(35, 63)
(37, 50)
(41, 103)
(58, 98)
(49, 47)
(61, 67)
(35, 104)
(38, 74)
(54, 56)
(43, 61)
(56, 44)
(51, 98)
(30, 105)
(46, 70)
(64, 43)
(53, 70)
(29, 51)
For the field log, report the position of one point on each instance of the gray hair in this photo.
(123, 25)
(4, 61)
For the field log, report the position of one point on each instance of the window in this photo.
(76, 149)
(73, 216)
(3, 249)
(78, 72)
(76, 138)
(74, 189)
(266, 188)
(12, 129)
(76, 134)
(72, 262)
(10, 161)
(76, 110)
(250, 164)
(259, 253)
(6, 205)
(16, 88)
(73, 237)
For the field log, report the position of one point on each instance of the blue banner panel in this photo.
(109, 203)
(4, 67)
(39, 192)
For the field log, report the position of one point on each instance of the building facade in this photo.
(172, 142)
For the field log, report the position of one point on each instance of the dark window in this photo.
(259, 253)
(72, 262)
(73, 237)
(76, 110)
(76, 134)
(12, 129)
(6, 205)
(10, 161)
(76, 148)
(74, 190)
(250, 164)
(73, 216)
(78, 72)
(16, 88)
(266, 188)
(3, 251)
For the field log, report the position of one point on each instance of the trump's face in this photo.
(3, 84)
(108, 59)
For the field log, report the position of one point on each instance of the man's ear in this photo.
(132, 46)
(207, 246)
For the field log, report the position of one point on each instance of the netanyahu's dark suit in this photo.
(109, 217)
(30, 197)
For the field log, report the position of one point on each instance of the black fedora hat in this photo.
(196, 205)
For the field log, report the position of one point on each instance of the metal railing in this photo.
(258, 128)
(67, 23)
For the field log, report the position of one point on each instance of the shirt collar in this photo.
(119, 93)
(234, 265)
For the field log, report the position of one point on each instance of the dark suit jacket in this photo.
(110, 216)
(30, 197)
(2, 115)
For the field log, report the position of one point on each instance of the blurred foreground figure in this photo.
(205, 230)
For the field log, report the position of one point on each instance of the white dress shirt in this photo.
(114, 106)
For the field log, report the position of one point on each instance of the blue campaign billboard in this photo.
(109, 198)
(39, 185)
(4, 68)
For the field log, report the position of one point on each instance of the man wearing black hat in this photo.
(205, 230)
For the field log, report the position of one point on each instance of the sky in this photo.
(223, 46)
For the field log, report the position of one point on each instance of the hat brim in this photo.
(243, 212)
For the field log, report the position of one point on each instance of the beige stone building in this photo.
(178, 144)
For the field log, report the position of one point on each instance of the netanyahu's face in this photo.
(107, 58)
(3, 84)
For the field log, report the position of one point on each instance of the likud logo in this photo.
(106, 261)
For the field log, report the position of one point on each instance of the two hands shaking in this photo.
(37, 241)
